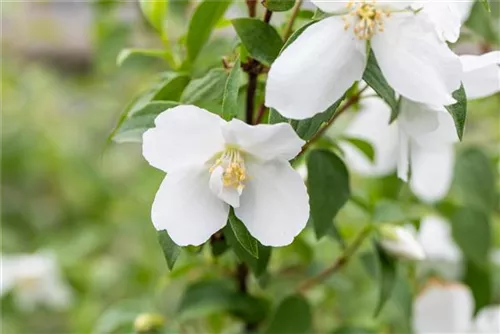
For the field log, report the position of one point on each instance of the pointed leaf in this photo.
(170, 249)
(155, 12)
(249, 243)
(387, 277)
(278, 5)
(293, 316)
(230, 100)
(208, 88)
(459, 110)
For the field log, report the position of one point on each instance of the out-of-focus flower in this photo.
(148, 323)
(448, 308)
(34, 280)
(400, 242)
(213, 164)
(324, 61)
(481, 74)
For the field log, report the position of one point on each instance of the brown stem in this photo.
(267, 16)
(252, 7)
(339, 263)
(251, 89)
(352, 100)
(289, 26)
(260, 115)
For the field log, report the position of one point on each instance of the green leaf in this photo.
(136, 123)
(230, 100)
(249, 243)
(472, 232)
(203, 22)
(278, 5)
(363, 146)
(207, 88)
(387, 211)
(170, 248)
(296, 34)
(120, 317)
(319, 15)
(127, 53)
(293, 316)
(155, 12)
(171, 88)
(215, 296)
(483, 23)
(375, 79)
(479, 280)
(260, 39)
(353, 330)
(475, 180)
(259, 265)
(328, 185)
(459, 110)
(387, 277)
(486, 5)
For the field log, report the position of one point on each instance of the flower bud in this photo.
(148, 323)
(400, 242)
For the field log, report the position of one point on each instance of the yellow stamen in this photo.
(234, 168)
(368, 19)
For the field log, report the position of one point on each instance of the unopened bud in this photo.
(148, 323)
(400, 242)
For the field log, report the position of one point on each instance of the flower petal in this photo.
(446, 18)
(331, 6)
(443, 308)
(481, 74)
(229, 195)
(415, 62)
(185, 135)
(435, 237)
(372, 124)
(315, 70)
(274, 204)
(488, 320)
(431, 171)
(187, 208)
(264, 141)
(404, 155)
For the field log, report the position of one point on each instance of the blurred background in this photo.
(67, 191)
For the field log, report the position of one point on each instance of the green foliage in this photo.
(230, 100)
(325, 172)
(126, 54)
(206, 89)
(243, 236)
(260, 39)
(478, 278)
(155, 12)
(278, 5)
(293, 316)
(363, 146)
(459, 110)
(387, 277)
(205, 18)
(170, 249)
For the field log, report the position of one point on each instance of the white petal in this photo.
(315, 70)
(185, 135)
(481, 76)
(372, 124)
(443, 308)
(331, 6)
(431, 171)
(404, 155)
(446, 18)
(230, 195)
(415, 62)
(417, 119)
(464, 8)
(187, 208)
(264, 141)
(400, 242)
(488, 320)
(435, 237)
(274, 204)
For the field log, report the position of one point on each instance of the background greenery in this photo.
(66, 188)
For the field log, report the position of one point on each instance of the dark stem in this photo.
(241, 277)
(252, 7)
(251, 89)
(267, 16)
(261, 113)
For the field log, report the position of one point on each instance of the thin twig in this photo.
(251, 89)
(289, 26)
(260, 115)
(352, 100)
(342, 260)
(252, 7)
(267, 16)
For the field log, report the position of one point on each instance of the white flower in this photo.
(400, 242)
(213, 164)
(448, 308)
(34, 280)
(324, 61)
(481, 76)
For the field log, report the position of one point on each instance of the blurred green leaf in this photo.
(387, 277)
(132, 127)
(478, 279)
(278, 5)
(293, 316)
(475, 179)
(230, 100)
(155, 11)
(204, 19)
(459, 110)
(472, 231)
(486, 5)
(329, 190)
(171, 88)
(170, 249)
(258, 266)
(249, 243)
(375, 79)
(483, 23)
(260, 39)
(363, 146)
(207, 88)
(119, 317)
(387, 211)
(319, 15)
(208, 297)
(353, 330)
(127, 53)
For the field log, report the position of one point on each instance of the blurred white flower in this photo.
(481, 74)
(448, 308)
(400, 242)
(34, 280)
(329, 56)
(213, 164)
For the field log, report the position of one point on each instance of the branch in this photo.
(339, 263)
(252, 7)
(260, 115)
(289, 26)
(251, 89)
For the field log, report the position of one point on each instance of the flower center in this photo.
(234, 173)
(366, 18)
